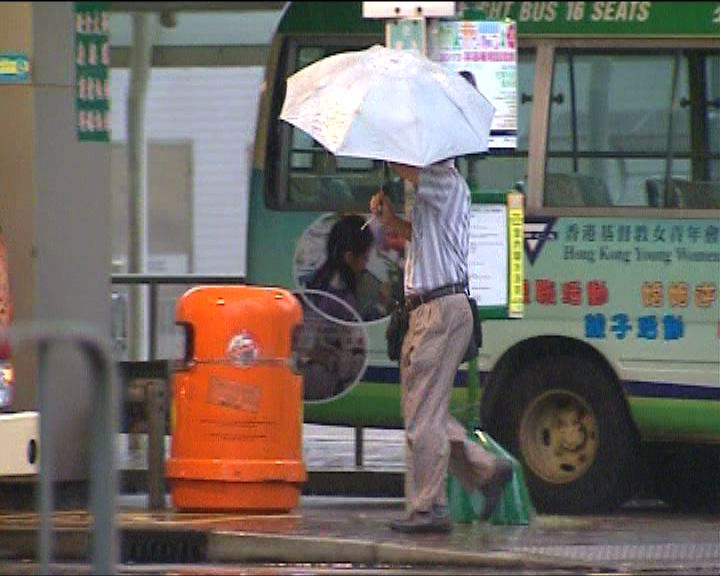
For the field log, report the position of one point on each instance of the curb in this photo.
(239, 547)
(231, 547)
(250, 547)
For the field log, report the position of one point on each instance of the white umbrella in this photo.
(387, 104)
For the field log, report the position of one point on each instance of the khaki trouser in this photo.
(433, 348)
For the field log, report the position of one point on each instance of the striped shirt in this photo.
(440, 217)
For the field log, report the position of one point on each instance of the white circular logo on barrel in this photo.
(243, 350)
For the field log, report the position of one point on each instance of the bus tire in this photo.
(565, 420)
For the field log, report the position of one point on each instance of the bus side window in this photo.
(695, 195)
(301, 155)
(575, 190)
(560, 190)
(619, 121)
(609, 126)
(320, 181)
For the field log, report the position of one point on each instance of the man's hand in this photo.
(382, 208)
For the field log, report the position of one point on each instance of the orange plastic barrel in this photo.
(237, 437)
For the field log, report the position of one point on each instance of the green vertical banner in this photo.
(92, 64)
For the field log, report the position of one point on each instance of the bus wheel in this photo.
(563, 418)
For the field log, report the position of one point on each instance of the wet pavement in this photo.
(633, 539)
(332, 535)
(354, 532)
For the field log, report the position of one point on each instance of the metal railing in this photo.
(103, 425)
(154, 281)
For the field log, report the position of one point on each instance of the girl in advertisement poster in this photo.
(337, 347)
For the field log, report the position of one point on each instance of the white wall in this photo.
(215, 108)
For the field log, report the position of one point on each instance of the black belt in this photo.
(412, 301)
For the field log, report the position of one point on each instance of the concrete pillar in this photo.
(16, 180)
(55, 212)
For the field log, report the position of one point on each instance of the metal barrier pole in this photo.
(155, 400)
(358, 446)
(104, 482)
(46, 487)
(104, 425)
(153, 320)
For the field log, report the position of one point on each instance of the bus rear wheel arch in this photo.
(564, 417)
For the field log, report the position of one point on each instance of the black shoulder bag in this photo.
(476, 335)
(396, 329)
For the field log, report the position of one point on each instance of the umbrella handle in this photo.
(386, 185)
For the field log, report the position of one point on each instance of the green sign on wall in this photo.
(92, 63)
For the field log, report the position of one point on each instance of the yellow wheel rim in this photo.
(559, 436)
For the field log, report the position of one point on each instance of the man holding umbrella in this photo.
(436, 273)
(400, 107)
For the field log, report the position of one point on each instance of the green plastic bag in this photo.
(515, 506)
